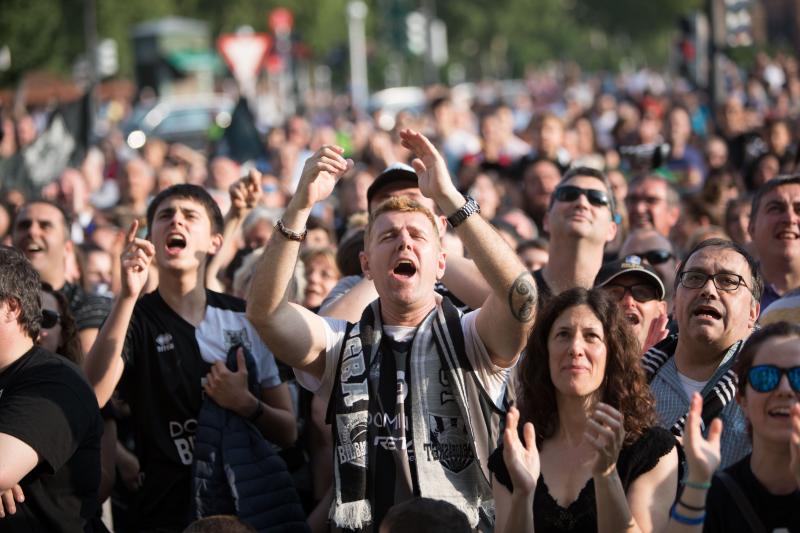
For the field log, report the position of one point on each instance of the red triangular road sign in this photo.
(244, 53)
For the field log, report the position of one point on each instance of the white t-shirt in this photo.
(492, 378)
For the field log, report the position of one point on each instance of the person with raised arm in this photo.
(416, 388)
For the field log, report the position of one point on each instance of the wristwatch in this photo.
(466, 211)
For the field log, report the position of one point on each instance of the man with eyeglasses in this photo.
(775, 229)
(581, 219)
(639, 293)
(657, 251)
(652, 203)
(50, 425)
(717, 294)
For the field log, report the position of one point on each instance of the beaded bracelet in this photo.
(686, 520)
(697, 485)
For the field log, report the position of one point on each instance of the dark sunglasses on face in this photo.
(570, 193)
(50, 318)
(765, 378)
(656, 257)
(641, 292)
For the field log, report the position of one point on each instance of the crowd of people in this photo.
(574, 310)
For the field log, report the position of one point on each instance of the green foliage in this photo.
(500, 38)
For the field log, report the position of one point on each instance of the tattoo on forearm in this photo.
(522, 297)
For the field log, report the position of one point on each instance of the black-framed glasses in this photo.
(570, 193)
(641, 292)
(723, 281)
(657, 257)
(50, 318)
(765, 378)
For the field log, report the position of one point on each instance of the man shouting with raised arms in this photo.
(415, 388)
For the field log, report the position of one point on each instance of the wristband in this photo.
(466, 211)
(692, 507)
(257, 413)
(289, 234)
(686, 520)
(697, 485)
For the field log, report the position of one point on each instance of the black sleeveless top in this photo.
(581, 515)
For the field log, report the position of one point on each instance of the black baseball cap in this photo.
(396, 173)
(631, 264)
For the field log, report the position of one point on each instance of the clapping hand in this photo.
(658, 332)
(136, 258)
(521, 458)
(605, 434)
(702, 454)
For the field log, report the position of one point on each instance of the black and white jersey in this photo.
(166, 361)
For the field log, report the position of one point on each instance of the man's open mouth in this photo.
(175, 243)
(707, 312)
(633, 319)
(405, 269)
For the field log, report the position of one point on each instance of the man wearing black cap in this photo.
(639, 293)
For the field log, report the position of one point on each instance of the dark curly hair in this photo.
(69, 345)
(624, 385)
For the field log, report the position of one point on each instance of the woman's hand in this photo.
(702, 454)
(521, 458)
(9, 499)
(605, 434)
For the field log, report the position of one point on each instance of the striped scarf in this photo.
(451, 432)
(715, 400)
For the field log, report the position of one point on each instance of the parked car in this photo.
(183, 119)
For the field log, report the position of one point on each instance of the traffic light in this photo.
(416, 33)
(738, 23)
(107, 58)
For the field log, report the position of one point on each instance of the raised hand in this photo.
(658, 332)
(320, 173)
(245, 193)
(702, 454)
(605, 434)
(9, 499)
(794, 443)
(434, 178)
(135, 260)
(521, 458)
(229, 389)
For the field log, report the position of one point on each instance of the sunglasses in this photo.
(570, 193)
(656, 257)
(765, 378)
(50, 318)
(641, 292)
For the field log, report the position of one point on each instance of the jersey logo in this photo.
(237, 336)
(164, 343)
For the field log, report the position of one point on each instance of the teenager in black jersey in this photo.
(169, 347)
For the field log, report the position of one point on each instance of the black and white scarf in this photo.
(442, 415)
(715, 400)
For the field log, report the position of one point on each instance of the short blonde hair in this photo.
(402, 204)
